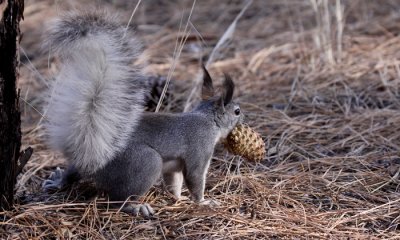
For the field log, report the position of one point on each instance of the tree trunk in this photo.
(11, 12)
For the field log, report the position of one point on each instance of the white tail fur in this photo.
(97, 98)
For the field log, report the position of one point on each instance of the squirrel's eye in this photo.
(237, 111)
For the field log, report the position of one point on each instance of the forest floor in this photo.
(319, 80)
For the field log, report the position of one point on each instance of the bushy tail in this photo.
(97, 98)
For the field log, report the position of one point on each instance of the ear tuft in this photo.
(208, 89)
(229, 87)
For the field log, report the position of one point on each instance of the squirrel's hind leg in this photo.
(131, 175)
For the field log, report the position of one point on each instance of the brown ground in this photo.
(322, 90)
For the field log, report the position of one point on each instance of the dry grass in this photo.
(320, 80)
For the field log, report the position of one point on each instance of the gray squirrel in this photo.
(97, 120)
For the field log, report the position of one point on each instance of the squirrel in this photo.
(96, 118)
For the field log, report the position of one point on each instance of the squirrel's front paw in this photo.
(210, 202)
(55, 181)
(135, 209)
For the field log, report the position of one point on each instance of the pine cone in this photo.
(246, 142)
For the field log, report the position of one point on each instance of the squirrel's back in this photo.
(96, 100)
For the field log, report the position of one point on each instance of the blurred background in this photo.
(318, 79)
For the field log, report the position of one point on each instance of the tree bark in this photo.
(11, 12)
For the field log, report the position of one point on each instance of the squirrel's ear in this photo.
(229, 87)
(208, 89)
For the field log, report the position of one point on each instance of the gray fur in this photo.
(97, 98)
(176, 146)
(96, 118)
